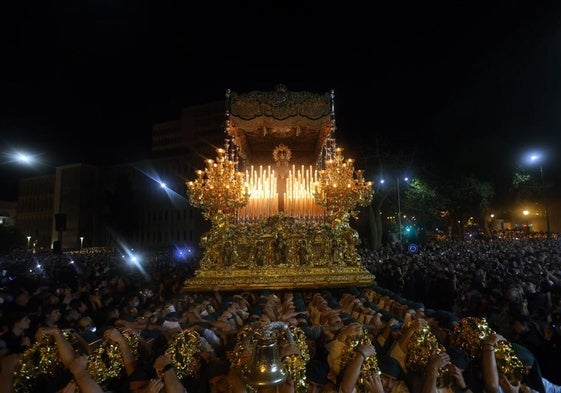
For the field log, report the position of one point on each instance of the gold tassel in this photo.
(422, 347)
(184, 350)
(471, 330)
(41, 358)
(106, 362)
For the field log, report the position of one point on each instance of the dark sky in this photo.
(469, 86)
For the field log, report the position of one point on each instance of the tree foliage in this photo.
(423, 201)
(467, 197)
(526, 186)
(434, 201)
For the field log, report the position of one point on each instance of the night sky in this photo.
(468, 86)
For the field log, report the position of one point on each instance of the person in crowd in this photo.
(399, 349)
(389, 335)
(550, 352)
(82, 381)
(352, 372)
(391, 375)
(141, 376)
(497, 382)
(51, 315)
(79, 305)
(526, 332)
(8, 365)
(20, 301)
(445, 372)
(317, 372)
(330, 311)
(217, 378)
(87, 329)
(17, 339)
(109, 316)
(338, 345)
(61, 379)
(168, 375)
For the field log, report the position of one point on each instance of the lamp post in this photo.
(538, 158)
(397, 181)
(525, 213)
(81, 242)
(28, 241)
(399, 207)
(398, 211)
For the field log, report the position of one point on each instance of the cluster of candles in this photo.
(297, 201)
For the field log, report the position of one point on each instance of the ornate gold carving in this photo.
(282, 152)
(305, 241)
(220, 189)
(279, 252)
(339, 191)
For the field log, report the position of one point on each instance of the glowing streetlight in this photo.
(537, 158)
(20, 158)
(525, 213)
(81, 242)
(28, 241)
(397, 181)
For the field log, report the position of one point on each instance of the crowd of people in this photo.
(100, 324)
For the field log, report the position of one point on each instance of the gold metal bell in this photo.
(265, 368)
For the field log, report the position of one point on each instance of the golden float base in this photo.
(279, 252)
(278, 278)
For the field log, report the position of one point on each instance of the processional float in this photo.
(279, 196)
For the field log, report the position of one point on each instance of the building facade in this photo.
(124, 206)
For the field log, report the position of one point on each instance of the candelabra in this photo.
(339, 190)
(255, 241)
(219, 190)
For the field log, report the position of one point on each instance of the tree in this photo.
(423, 201)
(379, 160)
(526, 186)
(467, 197)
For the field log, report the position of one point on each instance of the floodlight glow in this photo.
(26, 159)
(19, 158)
(535, 158)
(538, 158)
(163, 185)
(182, 253)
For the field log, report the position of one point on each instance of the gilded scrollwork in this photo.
(280, 227)
(274, 254)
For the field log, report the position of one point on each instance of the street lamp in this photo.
(525, 213)
(399, 206)
(538, 158)
(397, 181)
(19, 158)
(398, 211)
(81, 242)
(28, 241)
